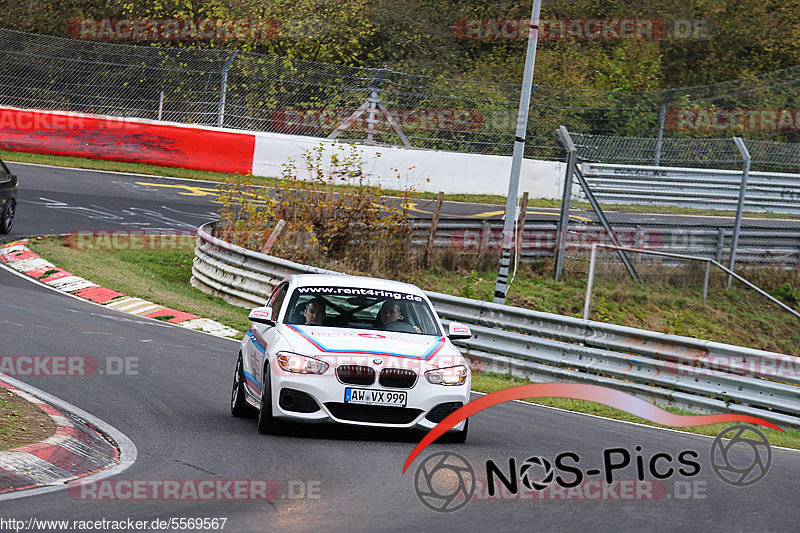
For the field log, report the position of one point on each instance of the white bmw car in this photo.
(351, 350)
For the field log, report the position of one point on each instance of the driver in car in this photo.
(390, 318)
(314, 312)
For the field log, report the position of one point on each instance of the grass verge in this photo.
(160, 276)
(202, 175)
(163, 277)
(21, 422)
(491, 382)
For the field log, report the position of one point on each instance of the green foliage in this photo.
(468, 287)
(601, 309)
(787, 293)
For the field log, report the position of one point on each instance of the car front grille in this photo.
(355, 374)
(397, 378)
(378, 414)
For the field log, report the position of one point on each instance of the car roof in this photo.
(345, 280)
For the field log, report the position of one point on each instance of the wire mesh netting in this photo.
(698, 287)
(240, 89)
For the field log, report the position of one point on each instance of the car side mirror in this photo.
(458, 331)
(262, 315)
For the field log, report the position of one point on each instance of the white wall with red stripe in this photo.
(262, 153)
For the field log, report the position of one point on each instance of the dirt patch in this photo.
(21, 422)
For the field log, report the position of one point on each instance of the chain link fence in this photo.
(244, 90)
(705, 174)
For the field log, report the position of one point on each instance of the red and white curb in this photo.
(18, 257)
(82, 446)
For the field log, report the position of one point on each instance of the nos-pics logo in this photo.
(445, 481)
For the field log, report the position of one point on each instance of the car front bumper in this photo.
(329, 394)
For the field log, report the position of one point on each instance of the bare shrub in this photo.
(355, 227)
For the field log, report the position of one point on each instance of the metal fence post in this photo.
(589, 283)
(740, 208)
(662, 115)
(160, 104)
(566, 195)
(705, 282)
(223, 88)
(501, 285)
(606, 225)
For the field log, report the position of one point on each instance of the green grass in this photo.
(492, 382)
(160, 276)
(153, 170)
(737, 316)
(730, 316)
(12, 419)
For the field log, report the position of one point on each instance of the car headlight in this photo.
(301, 364)
(452, 375)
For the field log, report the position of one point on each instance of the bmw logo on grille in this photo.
(377, 361)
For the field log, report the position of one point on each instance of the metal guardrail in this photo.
(693, 187)
(680, 371)
(771, 244)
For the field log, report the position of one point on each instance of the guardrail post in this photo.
(705, 282)
(566, 195)
(435, 222)
(740, 208)
(589, 283)
(720, 244)
(521, 225)
(223, 88)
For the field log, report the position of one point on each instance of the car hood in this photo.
(356, 345)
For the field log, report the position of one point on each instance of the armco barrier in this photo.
(693, 187)
(681, 371)
(762, 242)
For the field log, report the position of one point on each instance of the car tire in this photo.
(7, 217)
(457, 437)
(239, 406)
(267, 423)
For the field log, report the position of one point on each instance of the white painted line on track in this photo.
(127, 449)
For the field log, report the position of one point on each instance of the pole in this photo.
(566, 195)
(434, 223)
(223, 88)
(587, 304)
(662, 115)
(740, 207)
(160, 104)
(521, 226)
(519, 149)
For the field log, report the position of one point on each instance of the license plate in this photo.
(375, 397)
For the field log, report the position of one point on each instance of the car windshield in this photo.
(353, 307)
